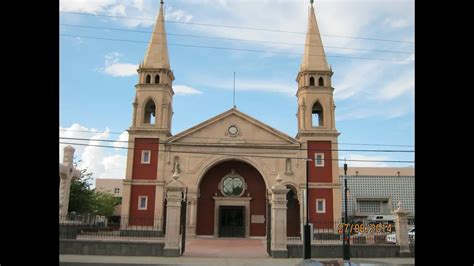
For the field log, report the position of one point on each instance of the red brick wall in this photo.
(321, 220)
(145, 171)
(142, 217)
(320, 174)
(209, 186)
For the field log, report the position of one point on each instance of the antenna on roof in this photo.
(234, 93)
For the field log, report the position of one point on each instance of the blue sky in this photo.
(374, 98)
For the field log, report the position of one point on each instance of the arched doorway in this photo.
(231, 201)
(292, 213)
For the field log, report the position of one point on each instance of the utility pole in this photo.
(345, 236)
(307, 231)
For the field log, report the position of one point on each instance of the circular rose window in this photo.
(232, 185)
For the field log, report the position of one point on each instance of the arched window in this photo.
(321, 81)
(311, 81)
(149, 111)
(157, 79)
(317, 116)
(148, 79)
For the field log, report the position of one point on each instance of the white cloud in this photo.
(396, 88)
(367, 158)
(185, 90)
(121, 70)
(114, 68)
(102, 162)
(89, 6)
(122, 137)
(397, 22)
(145, 12)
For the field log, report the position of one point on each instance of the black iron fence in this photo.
(89, 226)
(331, 232)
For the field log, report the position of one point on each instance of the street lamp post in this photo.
(345, 244)
(306, 236)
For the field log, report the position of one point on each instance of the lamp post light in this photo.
(306, 236)
(345, 244)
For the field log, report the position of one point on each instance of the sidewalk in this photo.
(82, 260)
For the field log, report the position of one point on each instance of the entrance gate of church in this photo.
(231, 221)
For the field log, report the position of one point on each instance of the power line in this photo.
(233, 154)
(234, 49)
(245, 147)
(339, 143)
(235, 39)
(238, 27)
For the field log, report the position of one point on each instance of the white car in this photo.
(411, 235)
(392, 238)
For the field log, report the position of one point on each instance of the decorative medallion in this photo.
(232, 185)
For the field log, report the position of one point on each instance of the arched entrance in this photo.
(231, 201)
(292, 213)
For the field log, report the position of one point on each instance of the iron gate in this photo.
(182, 227)
(269, 228)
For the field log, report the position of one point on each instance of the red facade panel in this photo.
(324, 173)
(137, 216)
(145, 171)
(321, 220)
(209, 187)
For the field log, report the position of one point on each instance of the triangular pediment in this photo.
(248, 130)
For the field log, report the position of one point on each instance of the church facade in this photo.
(230, 162)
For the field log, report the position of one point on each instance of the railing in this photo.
(94, 227)
(331, 233)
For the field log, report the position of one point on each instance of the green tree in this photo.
(84, 199)
(104, 203)
(81, 196)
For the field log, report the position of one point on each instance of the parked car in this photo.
(411, 236)
(392, 238)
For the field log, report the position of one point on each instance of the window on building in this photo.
(146, 157)
(320, 206)
(149, 112)
(319, 159)
(142, 202)
(317, 112)
(148, 79)
(369, 206)
(157, 79)
(311, 81)
(116, 190)
(321, 81)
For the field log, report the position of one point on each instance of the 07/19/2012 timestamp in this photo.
(365, 228)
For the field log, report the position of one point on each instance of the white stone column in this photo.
(66, 176)
(278, 222)
(401, 226)
(191, 215)
(125, 212)
(174, 197)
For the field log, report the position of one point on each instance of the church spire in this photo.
(314, 57)
(157, 53)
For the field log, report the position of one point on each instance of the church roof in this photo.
(250, 131)
(157, 53)
(314, 57)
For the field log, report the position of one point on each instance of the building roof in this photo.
(157, 53)
(393, 188)
(314, 57)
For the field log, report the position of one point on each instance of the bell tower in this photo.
(142, 202)
(152, 107)
(315, 92)
(317, 129)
